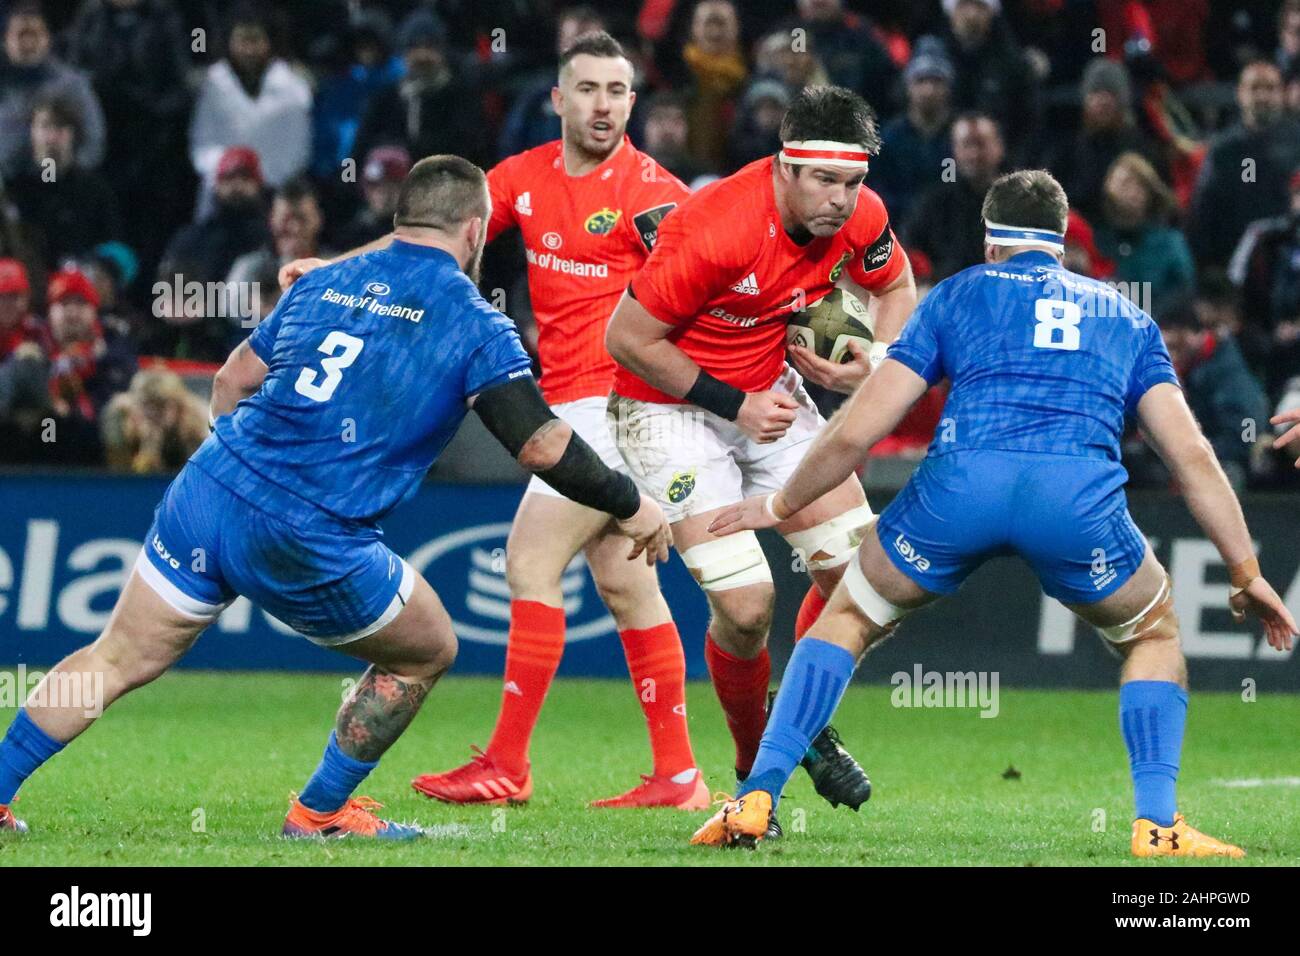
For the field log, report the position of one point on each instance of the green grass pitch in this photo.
(196, 770)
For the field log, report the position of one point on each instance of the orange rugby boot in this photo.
(1151, 839)
(355, 818)
(10, 822)
(742, 821)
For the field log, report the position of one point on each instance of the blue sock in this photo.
(24, 748)
(1152, 714)
(810, 691)
(335, 779)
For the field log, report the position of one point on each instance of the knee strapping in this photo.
(729, 562)
(1156, 620)
(831, 543)
(882, 613)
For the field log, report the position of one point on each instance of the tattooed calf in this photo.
(377, 711)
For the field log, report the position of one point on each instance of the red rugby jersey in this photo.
(727, 275)
(584, 238)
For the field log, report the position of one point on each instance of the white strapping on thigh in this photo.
(732, 561)
(835, 539)
(1121, 633)
(868, 599)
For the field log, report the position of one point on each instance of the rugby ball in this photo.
(827, 325)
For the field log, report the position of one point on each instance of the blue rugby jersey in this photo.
(1040, 359)
(371, 361)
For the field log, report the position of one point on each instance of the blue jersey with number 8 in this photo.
(1040, 359)
(371, 362)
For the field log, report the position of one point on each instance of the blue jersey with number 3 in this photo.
(371, 362)
(1040, 359)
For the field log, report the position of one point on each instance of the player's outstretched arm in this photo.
(1292, 434)
(872, 413)
(290, 272)
(1173, 431)
(239, 378)
(517, 415)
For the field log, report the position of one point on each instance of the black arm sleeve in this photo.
(716, 396)
(513, 413)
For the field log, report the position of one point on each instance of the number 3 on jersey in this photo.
(1058, 325)
(332, 366)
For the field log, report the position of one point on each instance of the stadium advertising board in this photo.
(67, 543)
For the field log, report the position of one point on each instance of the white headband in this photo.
(824, 152)
(996, 234)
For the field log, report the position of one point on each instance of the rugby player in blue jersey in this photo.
(325, 419)
(1044, 366)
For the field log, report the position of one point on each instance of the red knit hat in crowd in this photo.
(240, 160)
(69, 283)
(13, 277)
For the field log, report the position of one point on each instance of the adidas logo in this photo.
(513, 688)
(679, 710)
(495, 789)
(747, 285)
(524, 204)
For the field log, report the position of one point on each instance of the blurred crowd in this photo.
(160, 158)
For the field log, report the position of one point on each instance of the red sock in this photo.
(533, 652)
(742, 689)
(658, 667)
(814, 602)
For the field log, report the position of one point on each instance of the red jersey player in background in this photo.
(706, 410)
(589, 207)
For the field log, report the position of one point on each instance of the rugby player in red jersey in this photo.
(589, 207)
(706, 409)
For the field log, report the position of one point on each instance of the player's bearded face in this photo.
(822, 198)
(594, 100)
